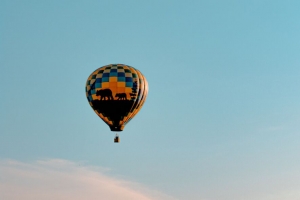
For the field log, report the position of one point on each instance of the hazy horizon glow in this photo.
(62, 180)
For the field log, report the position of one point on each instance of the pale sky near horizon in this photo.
(221, 121)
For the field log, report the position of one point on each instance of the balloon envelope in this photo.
(116, 92)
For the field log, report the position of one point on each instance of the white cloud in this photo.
(65, 180)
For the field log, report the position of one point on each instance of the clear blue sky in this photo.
(222, 118)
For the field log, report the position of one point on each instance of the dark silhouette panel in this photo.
(114, 110)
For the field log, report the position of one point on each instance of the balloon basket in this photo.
(117, 139)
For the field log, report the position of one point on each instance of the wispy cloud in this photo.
(66, 180)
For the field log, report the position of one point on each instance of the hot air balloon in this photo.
(116, 92)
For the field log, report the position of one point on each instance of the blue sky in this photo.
(221, 120)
